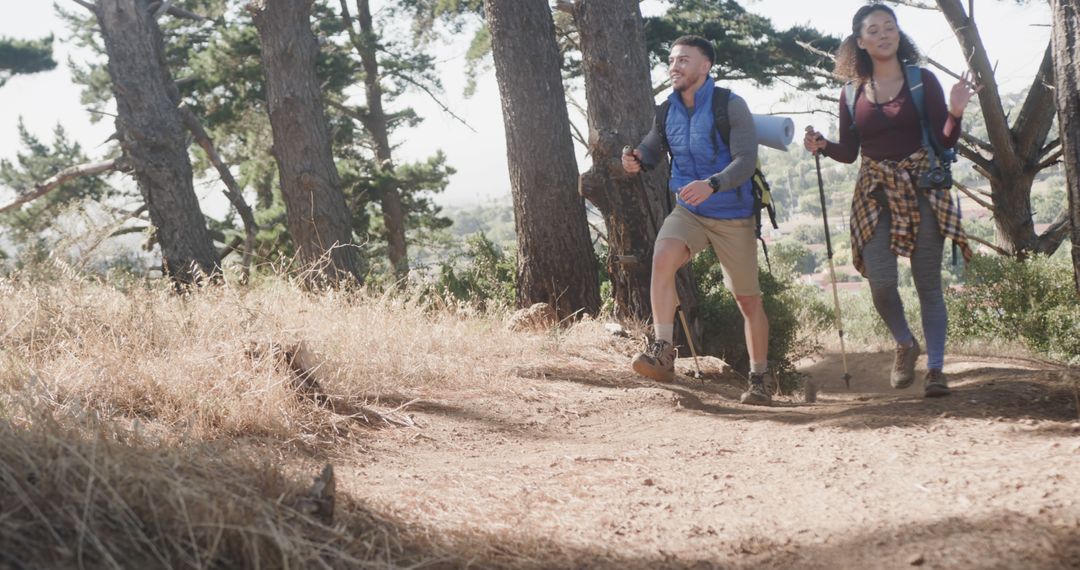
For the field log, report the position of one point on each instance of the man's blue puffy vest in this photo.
(698, 152)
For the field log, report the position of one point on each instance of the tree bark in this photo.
(1017, 150)
(317, 217)
(555, 261)
(620, 109)
(376, 122)
(153, 139)
(1066, 41)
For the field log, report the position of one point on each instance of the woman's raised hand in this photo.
(961, 94)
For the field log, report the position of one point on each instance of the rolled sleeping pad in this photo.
(774, 131)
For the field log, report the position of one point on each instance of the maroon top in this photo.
(892, 131)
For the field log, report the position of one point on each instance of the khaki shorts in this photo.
(734, 242)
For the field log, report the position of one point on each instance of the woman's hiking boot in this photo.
(756, 394)
(903, 368)
(936, 384)
(657, 362)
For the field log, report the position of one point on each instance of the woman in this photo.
(890, 214)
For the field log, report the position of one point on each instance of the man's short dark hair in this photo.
(699, 42)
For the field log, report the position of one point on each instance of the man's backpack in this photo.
(759, 185)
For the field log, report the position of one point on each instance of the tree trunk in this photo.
(1019, 151)
(1066, 40)
(317, 216)
(376, 123)
(555, 261)
(621, 109)
(153, 138)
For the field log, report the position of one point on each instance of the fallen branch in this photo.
(65, 175)
(303, 365)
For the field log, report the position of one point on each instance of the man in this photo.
(711, 179)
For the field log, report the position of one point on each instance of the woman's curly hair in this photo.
(852, 62)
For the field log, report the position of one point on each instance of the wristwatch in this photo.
(714, 184)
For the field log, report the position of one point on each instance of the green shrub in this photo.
(1033, 301)
(794, 310)
(788, 253)
(482, 275)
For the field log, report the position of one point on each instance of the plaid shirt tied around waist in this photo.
(896, 180)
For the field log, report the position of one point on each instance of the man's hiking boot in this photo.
(657, 362)
(936, 384)
(756, 394)
(903, 368)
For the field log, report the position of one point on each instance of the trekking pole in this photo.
(689, 339)
(832, 270)
(628, 150)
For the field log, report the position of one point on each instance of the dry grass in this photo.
(93, 497)
(139, 428)
(188, 364)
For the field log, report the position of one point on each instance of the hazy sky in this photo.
(1015, 36)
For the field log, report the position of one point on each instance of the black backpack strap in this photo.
(720, 99)
(660, 124)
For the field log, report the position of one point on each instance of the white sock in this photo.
(759, 367)
(665, 332)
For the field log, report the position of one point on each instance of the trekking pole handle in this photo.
(810, 129)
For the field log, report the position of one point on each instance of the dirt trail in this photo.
(589, 466)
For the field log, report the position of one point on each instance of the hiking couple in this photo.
(891, 214)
